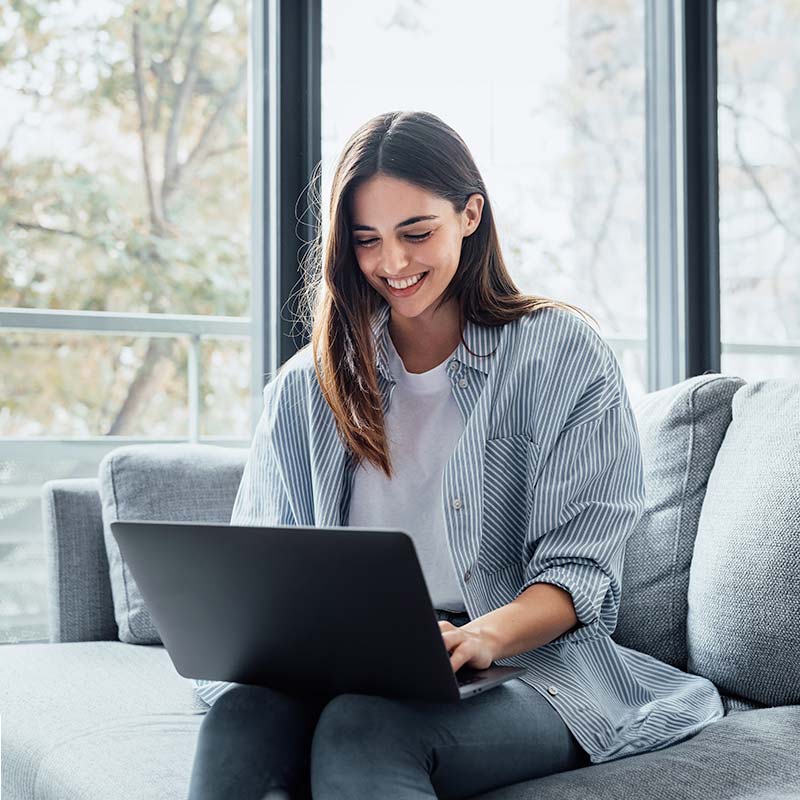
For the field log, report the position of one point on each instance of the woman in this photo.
(495, 429)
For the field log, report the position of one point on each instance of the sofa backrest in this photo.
(744, 588)
(165, 482)
(681, 429)
(80, 605)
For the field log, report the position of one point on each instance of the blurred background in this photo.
(642, 158)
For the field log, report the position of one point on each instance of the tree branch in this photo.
(172, 169)
(750, 171)
(33, 226)
(165, 68)
(173, 179)
(141, 102)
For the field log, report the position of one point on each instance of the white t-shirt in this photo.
(423, 425)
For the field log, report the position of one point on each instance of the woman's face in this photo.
(411, 237)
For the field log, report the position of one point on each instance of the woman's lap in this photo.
(353, 745)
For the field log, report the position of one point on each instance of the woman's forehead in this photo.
(389, 201)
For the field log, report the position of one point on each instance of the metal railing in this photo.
(195, 327)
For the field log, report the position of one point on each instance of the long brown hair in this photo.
(417, 147)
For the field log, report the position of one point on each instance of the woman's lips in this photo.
(409, 290)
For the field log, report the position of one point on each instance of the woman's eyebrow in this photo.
(409, 221)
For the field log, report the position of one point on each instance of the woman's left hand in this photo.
(466, 646)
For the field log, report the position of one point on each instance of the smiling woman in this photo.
(494, 428)
(396, 214)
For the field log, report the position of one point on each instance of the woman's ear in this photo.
(471, 215)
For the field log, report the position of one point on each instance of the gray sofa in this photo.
(711, 584)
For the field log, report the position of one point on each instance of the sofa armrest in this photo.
(80, 605)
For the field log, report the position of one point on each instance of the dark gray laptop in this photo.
(313, 610)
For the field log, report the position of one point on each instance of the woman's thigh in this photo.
(254, 739)
(500, 737)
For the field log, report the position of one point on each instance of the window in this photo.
(759, 187)
(124, 249)
(550, 99)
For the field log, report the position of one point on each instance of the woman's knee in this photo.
(362, 724)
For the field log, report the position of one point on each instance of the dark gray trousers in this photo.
(351, 746)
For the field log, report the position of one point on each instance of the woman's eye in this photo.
(418, 237)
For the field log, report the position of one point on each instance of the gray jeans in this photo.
(351, 746)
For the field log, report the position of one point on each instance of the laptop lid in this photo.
(323, 610)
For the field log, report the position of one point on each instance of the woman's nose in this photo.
(395, 259)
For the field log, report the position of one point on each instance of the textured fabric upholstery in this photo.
(103, 720)
(744, 589)
(181, 482)
(95, 721)
(680, 429)
(753, 755)
(80, 607)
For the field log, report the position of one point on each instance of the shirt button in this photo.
(456, 502)
(467, 575)
(552, 689)
(462, 383)
(453, 365)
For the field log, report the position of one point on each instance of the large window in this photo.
(124, 248)
(550, 99)
(759, 187)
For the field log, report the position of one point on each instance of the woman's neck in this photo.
(425, 341)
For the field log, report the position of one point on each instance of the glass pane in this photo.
(759, 187)
(86, 220)
(225, 389)
(106, 386)
(24, 468)
(124, 187)
(550, 99)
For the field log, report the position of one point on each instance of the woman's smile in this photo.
(406, 287)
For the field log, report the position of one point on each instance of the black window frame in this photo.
(683, 328)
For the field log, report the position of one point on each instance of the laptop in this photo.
(304, 610)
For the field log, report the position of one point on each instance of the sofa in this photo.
(711, 584)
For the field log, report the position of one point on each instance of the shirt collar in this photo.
(481, 339)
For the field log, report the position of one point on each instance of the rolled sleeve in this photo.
(587, 497)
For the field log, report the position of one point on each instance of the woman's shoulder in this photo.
(291, 379)
(567, 361)
(558, 335)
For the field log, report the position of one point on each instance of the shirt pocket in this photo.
(509, 470)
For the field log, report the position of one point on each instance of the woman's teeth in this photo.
(405, 283)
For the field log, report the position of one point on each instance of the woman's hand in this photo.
(466, 646)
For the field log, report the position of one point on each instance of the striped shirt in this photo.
(545, 485)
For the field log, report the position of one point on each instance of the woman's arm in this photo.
(586, 498)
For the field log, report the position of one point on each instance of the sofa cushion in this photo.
(100, 720)
(744, 588)
(181, 482)
(750, 754)
(95, 720)
(681, 429)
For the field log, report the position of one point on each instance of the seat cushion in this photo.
(95, 720)
(744, 589)
(681, 429)
(748, 754)
(100, 720)
(181, 482)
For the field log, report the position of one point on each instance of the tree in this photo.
(123, 186)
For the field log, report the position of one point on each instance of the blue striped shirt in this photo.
(545, 485)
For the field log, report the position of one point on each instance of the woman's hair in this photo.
(417, 147)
